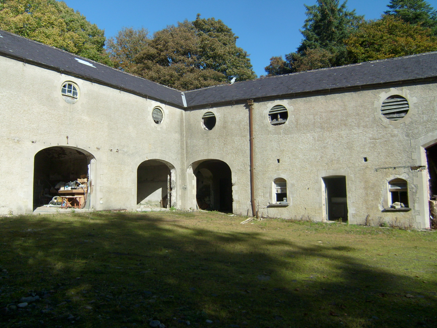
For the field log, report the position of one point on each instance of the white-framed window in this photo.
(208, 120)
(398, 193)
(157, 115)
(280, 191)
(278, 115)
(70, 92)
(395, 108)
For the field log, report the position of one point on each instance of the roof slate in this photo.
(396, 70)
(29, 51)
(401, 69)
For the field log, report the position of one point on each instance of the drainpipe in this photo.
(252, 180)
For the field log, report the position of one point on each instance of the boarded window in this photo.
(157, 115)
(394, 108)
(278, 115)
(208, 120)
(398, 190)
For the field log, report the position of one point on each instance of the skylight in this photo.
(84, 62)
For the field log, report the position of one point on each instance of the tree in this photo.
(124, 48)
(278, 66)
(218, 50)
(414, 12)
(55, 24)
(387, 38)
(326, 27)
(188, 56)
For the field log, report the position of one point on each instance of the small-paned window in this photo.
(208, 120)
(70, 92)
(157, 115)
(278, 115)
(280, 191)
(398, 193)
(395, 108)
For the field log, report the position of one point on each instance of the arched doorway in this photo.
(335, 198)
(214, 186)
(156, 184)
(63, 174)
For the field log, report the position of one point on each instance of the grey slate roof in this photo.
(408, 69)
(32, 52)
(396, 70)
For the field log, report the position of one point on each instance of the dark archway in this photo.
(214, 186)
(155, 184)
(63, 174)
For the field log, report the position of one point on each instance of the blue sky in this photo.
(265, 28)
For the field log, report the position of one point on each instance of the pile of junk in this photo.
(69, 194)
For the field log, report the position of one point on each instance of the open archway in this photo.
(156, 184)
(62, 177)
(214, 186)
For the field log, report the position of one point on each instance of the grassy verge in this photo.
(208, 270)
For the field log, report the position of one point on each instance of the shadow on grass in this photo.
(123, 270)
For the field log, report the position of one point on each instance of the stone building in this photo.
(355, 143)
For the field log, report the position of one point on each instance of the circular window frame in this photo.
(394, 108)
(278, 115)
(209, 121)
(159, 118)
(70, 95)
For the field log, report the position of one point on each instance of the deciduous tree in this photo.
(54, 23)
(188, 56)
(387, 38)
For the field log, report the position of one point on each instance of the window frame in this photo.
(278, 115)
(397, 190)
(279, 193)
(154, 110)
(70, 92)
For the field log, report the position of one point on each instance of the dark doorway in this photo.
(62, 173)
(214, 186)
(336, 198)
(154, 184)
(431, 157)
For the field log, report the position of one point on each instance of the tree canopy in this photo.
(327, 25)
(414, 12)
(55, 24)
(188, 56)
(387, 38)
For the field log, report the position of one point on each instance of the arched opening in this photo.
(62, 178)
(156, 184)
(214, 186)
(335, 198)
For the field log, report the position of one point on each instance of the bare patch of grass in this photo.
(208, 269)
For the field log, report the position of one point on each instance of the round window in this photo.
(395, 108)
(278, 115)
(157, 115)
(70, 92)
(208, 120)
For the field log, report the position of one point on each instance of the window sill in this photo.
(278, 205)
(402, 209)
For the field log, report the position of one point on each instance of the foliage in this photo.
(414, 12)
(387, 38)
(188, 56)
(327, 25)
(55, 24)
(278, 66)
(311, 59)
(124, 48)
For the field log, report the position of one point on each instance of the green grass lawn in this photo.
(208, 270)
